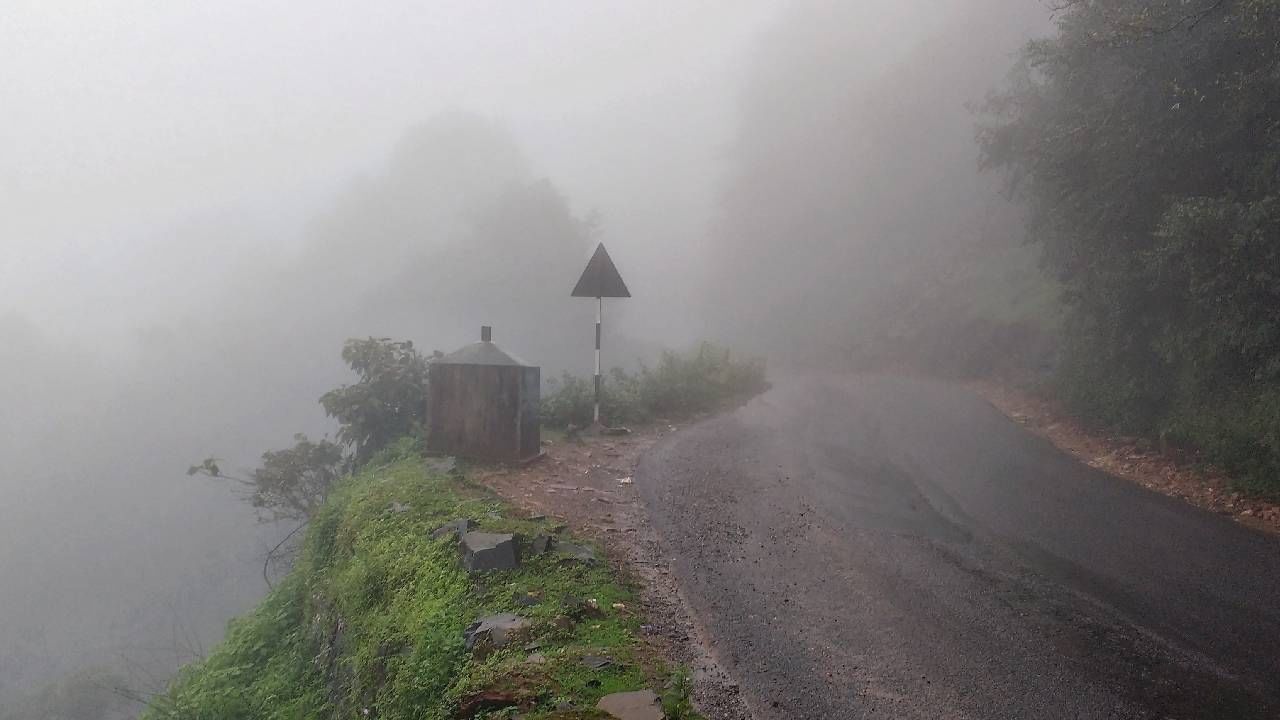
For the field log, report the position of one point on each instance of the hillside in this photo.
(371, 621)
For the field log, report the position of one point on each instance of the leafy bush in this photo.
(1241, 432)
(681, 384)
(389, 401)
(385, 406)
(292, 483)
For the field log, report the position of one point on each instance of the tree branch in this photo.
(271, 553)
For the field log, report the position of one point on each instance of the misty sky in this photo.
(129, 125)
(126, 120)
(164, 162)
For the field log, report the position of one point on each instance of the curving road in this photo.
(877, 547)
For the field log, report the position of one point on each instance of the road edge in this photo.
(1168, 472)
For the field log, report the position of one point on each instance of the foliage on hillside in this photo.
(388, 402)
(370, 622)
(1145, 136)
(681, 384)
(390, 399)
(291, 483)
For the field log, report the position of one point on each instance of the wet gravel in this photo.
(586, 485)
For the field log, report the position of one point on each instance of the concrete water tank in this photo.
(482, 403)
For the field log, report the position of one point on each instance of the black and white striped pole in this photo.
(595, 415)
(600, 280)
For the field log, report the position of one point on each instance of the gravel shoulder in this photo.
(589, 485)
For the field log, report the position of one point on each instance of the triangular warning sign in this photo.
(601, 278)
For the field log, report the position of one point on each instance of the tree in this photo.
(1145, 137)
(387, 403)
(291, 484)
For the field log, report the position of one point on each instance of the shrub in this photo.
(1239, 431)
(291, 483)
(387, 403)
(680, 385)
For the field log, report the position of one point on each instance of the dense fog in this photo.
(854, 223)
(200, 201)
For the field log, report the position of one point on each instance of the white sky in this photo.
(122, 118)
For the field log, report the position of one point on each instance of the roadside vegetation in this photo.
(1144, 137)
(680, 385)
(388, 402)
(370, 621)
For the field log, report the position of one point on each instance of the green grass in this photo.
(370, 621)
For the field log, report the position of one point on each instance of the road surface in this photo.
(892, 548)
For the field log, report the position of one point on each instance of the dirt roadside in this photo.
(1170, 473)
(588, 485)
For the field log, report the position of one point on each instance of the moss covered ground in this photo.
(370, 622)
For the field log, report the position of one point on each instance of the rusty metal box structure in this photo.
(483, 403)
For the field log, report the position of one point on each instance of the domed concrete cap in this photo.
(484, 352)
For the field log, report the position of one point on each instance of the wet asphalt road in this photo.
(891, 548)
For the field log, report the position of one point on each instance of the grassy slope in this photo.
(370, 621)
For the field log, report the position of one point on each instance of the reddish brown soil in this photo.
(1173, 473)
(578, 482)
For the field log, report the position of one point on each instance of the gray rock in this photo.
(456, 528)
(596, 662)
(638, 705)
(581, 553)
(489, 551)
(494, 631)
(541, 544)
(397, 507)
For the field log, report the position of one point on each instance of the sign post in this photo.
(600, 280)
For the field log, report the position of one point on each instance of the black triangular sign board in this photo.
(601, 278)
